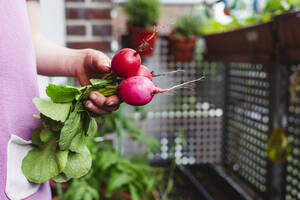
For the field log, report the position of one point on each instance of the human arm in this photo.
(55, 60)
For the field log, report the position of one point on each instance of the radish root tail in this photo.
(166, 73)
(186, 83)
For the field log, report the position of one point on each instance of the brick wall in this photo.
(89, 24)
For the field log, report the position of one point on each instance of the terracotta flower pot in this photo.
(182, 48)
(137, 36)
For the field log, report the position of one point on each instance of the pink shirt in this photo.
(18, 84)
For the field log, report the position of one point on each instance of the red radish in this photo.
(144, 71)
(139, 90)
(126, 63)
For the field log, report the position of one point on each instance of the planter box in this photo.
(250, 44)
(288, 29)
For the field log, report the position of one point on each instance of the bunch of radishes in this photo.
(137, 88)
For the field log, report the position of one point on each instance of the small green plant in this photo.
(187, 26)
(113, 174)
(142, 13)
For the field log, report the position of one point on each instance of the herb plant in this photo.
(187, 26)
(113, 174)
(142, 13)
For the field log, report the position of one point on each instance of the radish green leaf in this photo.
(55, 111)
(71, 127)
(62, 94)
(78, 163)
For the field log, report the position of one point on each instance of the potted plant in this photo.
(142, 16)
(183, 37)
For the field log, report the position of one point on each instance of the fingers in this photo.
(100, 105)
(97, 98)
(95, 65)
(94, 109)
(83, 77)
(100, 61)
(112, 101)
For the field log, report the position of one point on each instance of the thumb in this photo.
(101, 61)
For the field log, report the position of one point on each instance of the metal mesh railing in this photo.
(234, 134)
(247, 122)
(194, 112)
(292, 178)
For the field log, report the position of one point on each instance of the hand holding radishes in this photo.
(60, 150)
(95, 64)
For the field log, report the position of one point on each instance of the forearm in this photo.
(52, 60)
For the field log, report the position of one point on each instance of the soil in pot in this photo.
(137, 36)
(182, 48)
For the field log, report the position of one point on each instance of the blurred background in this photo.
(234, 135)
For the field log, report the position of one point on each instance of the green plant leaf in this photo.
(62, 158)
(62, 94)
(51, 124)
(61, 178)
(78, 163)
(187, 26)
(107, 159)
(92, 127)
(35, 137)
(79, 194)
(87, 196)
(98, 82)
(116, 180)
(40, 164)
(133, 192)
(150, 184)
(71, 127)
(36, 116)
(94, 193)
(78, 142)
(55, 111)
(142, 13)
(45, 135)
(149, 141)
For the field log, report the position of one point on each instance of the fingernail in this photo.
(89, 105)
(107, 63)
(93, 96)
(111, 103)
(107, 67)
